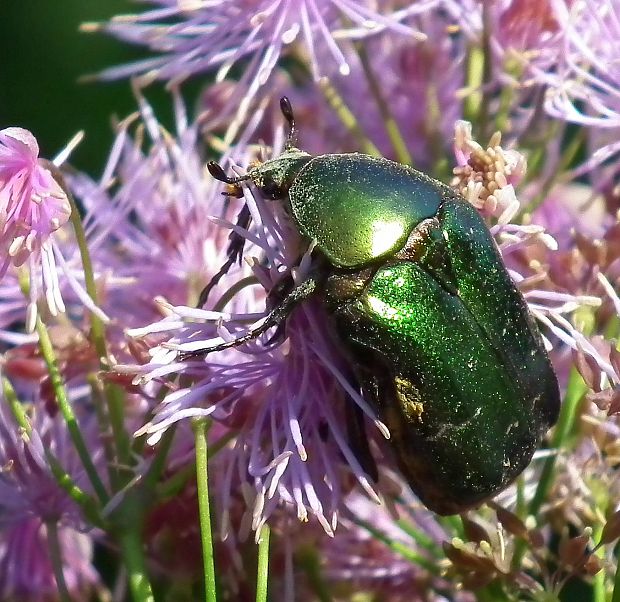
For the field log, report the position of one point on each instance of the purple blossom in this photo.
(486, 177)
(32, 207)
(194, 37)
(419, 80)
(152, 218)
(32, 204)
(585, 88)
(525, 36)
(30, 499)
(25, 569)
(364, 556)
(197, 37)
(36, 239)
(287, 401)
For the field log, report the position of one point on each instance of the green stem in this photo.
(398, 143)
(104, 425)
(133, 557)
(47, 351)
(479, 74)
(506, 102)
(64, 479)
(400, 548)
(420, 538)
(308, 559)
(97, 327)
(56, 560)
(346, 117)
(615, 597)
(262, 575)
(575, 391)
(487, 71)
(173, 485)
(474, 75)
(88, 504)
(114, 396)
(17, 408)
(598, 581)
(200, 433)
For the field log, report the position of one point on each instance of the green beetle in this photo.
(439, 338)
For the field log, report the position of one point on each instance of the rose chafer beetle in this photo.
(439, 338)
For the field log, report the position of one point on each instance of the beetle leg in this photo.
(234, 253)
(275, 317)
(276, 295)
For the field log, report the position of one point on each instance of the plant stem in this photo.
(615, 597)
(47, 351)
(399, 547)
(262, 576)
(566, 421)
(133, 556)
(64, 480)
(56, 560)
(487, 72)
(17, 408)
(346, 117)
(307, 558)
(398, 143)
(114, 397)
(474, 75)
(598, 581)
(200, 433)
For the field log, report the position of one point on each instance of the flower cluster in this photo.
(159, 325)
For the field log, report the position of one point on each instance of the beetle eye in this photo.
(271, 190)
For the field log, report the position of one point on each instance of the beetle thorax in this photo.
(275, 177)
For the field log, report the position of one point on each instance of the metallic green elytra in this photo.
(439, 338)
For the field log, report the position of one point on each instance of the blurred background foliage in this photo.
(44, 56)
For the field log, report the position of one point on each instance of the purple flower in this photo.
(36, 240)
(486, 176)
(26, 572)
(419, 80)
(32, 204)
(286, 402)
(585, 87)
(152, 218)
(525, 36)
(31, 500)
(194, 37)
(365, 555)
(32, 207)
(197, 37)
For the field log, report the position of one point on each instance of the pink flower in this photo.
(32, 204)
(33, 207)
(486, 176)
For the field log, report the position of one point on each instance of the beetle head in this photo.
(273, 178)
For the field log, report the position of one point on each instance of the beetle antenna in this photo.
(287, 111)
(215, 169)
